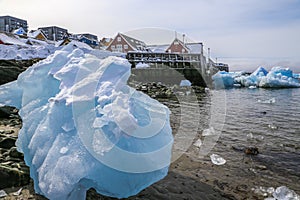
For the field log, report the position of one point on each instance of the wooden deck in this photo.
(191, 66)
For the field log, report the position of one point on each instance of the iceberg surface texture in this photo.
(84, 127)
(277, 77)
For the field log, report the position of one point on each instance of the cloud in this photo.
(231, 28)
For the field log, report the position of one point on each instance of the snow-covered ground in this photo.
(19, 48)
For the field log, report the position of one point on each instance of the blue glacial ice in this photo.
(84, 127)
(277, 77)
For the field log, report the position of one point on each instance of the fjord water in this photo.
(268, 119)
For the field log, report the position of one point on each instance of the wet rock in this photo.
(4, 112)
(10, 177)
(7, 143)
(13, 152)
(251, 150)
(261, 167)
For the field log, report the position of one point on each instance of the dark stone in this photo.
(10, 177)
(251, 151)
(13, 152)
(4, 112)
(7, 143)
(10, 69)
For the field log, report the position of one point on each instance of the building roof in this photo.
(134, 43)
(192, 47)
(161, 48)
(35, 33)
(195, 47)
(19, 31)
(10, 39)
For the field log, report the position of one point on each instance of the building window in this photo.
(119, 39)
(125, 46)
(176, 43)
(112, 47)
(119, 48)
(182, 50)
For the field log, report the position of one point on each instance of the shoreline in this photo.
(176, 185)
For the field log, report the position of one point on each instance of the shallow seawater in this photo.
(263, 118)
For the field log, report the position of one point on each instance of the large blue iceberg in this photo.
(277, 77)
(84, 127)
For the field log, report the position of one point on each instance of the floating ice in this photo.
(272, 127)
(284, 193)
(208, 132)
(217, 160)
(278, 77)
(223, 80)
(186, 83)
(83, 127)
(280, 193)
(260, 71)
(268, 101)
(252, 87)
(198, 143)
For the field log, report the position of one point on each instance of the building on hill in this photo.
(37, 34)
(20, 31)
(54, 33)
(104, 42)
(123, 43)
(10, 39)
(9, 24)
(90, 39)
(178, 46)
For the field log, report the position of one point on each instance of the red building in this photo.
(123, 43)
(177, 46)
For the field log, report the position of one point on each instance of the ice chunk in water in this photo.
(198, 143)
(268, 101)
(217, 160)
(284, 193)
(209, 131)
(185, 83)
(3, 193)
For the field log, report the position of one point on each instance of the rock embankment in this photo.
(13, 171)
(10, 69)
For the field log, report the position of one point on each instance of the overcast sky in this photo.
(243, 33)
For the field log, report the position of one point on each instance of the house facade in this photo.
(9, 23)
(37, 34)
(177, 46)
(90, 39)
(123, 43)
(54, 33)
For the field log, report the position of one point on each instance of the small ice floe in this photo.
(263, 191)
(269, 101)
(17, 193)
(284, 193)
(3, 193)
(250, 136)
(252, 87)
(209, 131)
(280, 193)
(272, 127)
(185, 83)
(198, 143)
(217, 160)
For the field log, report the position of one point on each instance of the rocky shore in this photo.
(10, 69)
(16, 183)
